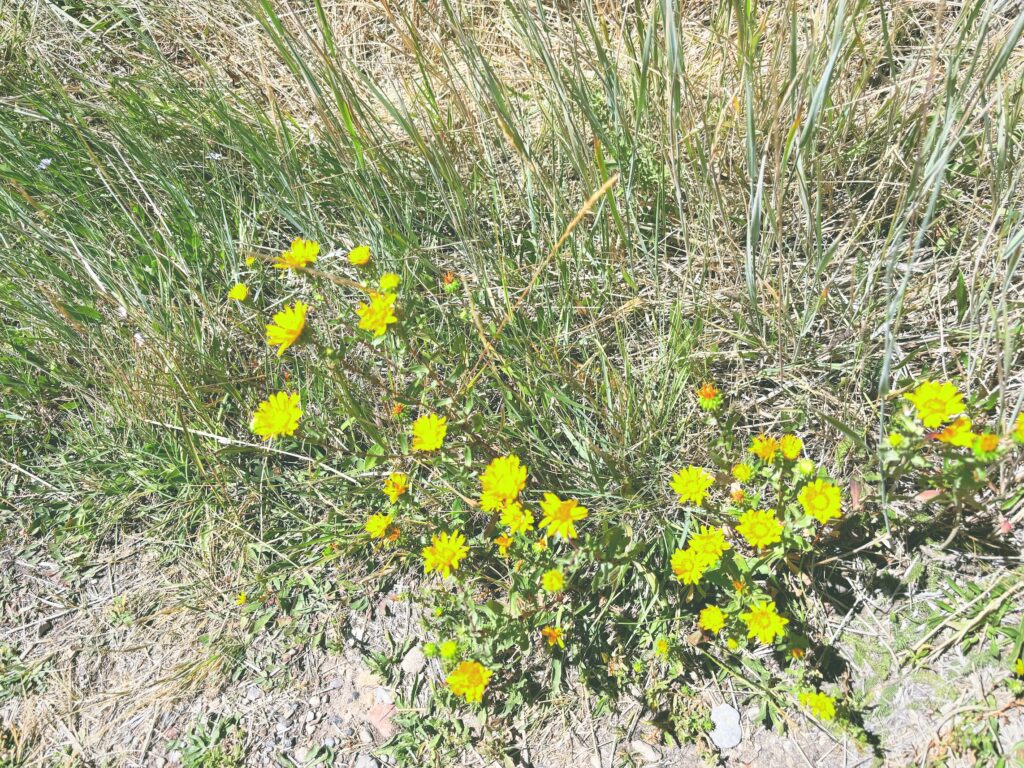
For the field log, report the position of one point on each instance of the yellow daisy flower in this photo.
(712, 619)
(239, 292)
(278, 415)
(760, 527)
(662, 647)
(376, 316)
(553, 580)
(444, 553)
(688, 566)
(764, 622)
(560, 515)
(958, 433)
(791, 445)
(301, 253)
(709, 543)
(936, 402)
(395, 485)
(822, 705)
(517, 518)
(764, 448)
(502, 482)
(1018, 668)
(250, 260)
(820, 500)
(469, 680)
(503, 543)
(359, 255)
(389, 281)
(742, 472)
(428, 432)
(554, 636)
(691, 484)
(287, 327)
(377, 525)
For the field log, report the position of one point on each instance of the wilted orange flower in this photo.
(503, 542)
(554, 636)
(958, 433)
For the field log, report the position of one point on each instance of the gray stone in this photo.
(300, 754)
(383, 696)
(644, 751)
(283, 725)
(414, 661)
(330, 742)
(365, 736)
(314, 701)
(365, 761)
(727, 733)
(252, 693)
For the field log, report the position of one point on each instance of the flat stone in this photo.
(379, 717)
(644, 751)
(300, 754)
(383, 696)
(414, 661)
(365, 761)
(727, 732)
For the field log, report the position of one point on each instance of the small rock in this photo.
(283, 726)
(727, 733)
(300, 754)
(644, 751)
(314, 701)
(347, 732)
(383, 696)
(159, 762)
(330, 742)
(380, 716)
(310, 716)
(414, 661)
(365, 736)
(174, 757)
(335, 683)
(365, 761)
(252, 693)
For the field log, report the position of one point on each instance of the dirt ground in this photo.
(126, 669)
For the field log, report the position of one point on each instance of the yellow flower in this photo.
(958, 433)
(691, 484)
(395, 485)
(448, 649)
(277, 415)
(822, 705)
(554, 636)
(241, 598)
(287, 327)
(764, 623)
(712, 619)
(377, 525)
(301, 253)
(1018, 428)
(791, 445)
(553, 580)
(502, 482)
(760, 527)
(250, 260)
(541, 544)
(688, 566)
(1018, 668)
(805, 467)
(662, 647)
(516, 518)
(936, 402)
(559, 515)
(444, 553)
(709, 544)
(503, 543)
(428, 432)
(469, 680)
(820, 500)
(359, 255)
(376, 316)
(895, 439)
(742, 472)
(389, 281)
(239, 292)
(764, 448)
